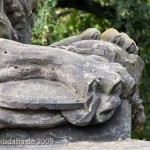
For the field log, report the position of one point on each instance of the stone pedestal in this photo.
(119, 126)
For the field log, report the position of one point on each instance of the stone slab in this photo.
(38, 94)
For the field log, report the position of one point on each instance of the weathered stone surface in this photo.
(38, 94)
(86, 91)
(82, 80)
(88, 34)
(73, 70)
(79, 81)
(103, 51)
(102, 105)
(121, 39)
(5, 25)
(110, 52)
(118, 126)
(30, 119)
(16, 19)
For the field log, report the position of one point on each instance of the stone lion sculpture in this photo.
(80, 80)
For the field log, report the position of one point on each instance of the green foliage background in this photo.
(133, 17)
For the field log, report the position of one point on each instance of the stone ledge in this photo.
(114, 145)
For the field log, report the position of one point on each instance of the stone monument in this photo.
(80, 88)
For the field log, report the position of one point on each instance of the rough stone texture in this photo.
(118, 126)
(85, 77)
(78, 89)
(103, 51)
(44, 95)
(82, 79)
(88, 34)
(16, 19)
(29, 119)
(121, 39)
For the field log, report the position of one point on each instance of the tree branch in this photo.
(88, 6)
